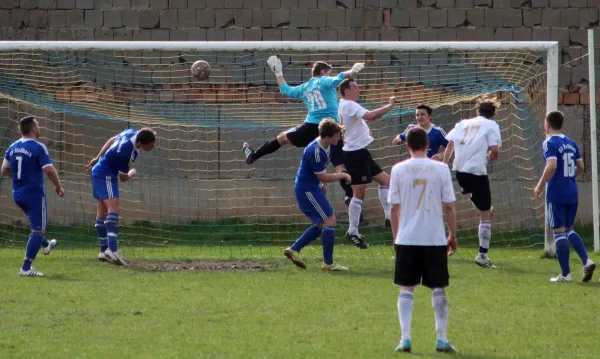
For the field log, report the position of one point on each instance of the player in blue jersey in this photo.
(311, 197)
(319, 96)
(111, 165)
(563, 165)
(436, 136)
(27, 160)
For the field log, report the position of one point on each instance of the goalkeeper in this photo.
(319, 96)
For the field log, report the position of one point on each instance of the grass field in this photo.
(87, 309)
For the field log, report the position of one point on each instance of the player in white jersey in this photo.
(421, 192)
(476, 141)
(357, 159)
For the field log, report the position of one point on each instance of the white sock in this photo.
(440, 308)
(485, 235)
(405, 307)
(383, 197)
(354, 213)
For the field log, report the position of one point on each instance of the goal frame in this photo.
(551, 48)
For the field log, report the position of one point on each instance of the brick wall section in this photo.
(317, 20)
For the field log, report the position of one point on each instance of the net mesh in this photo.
(195, 187)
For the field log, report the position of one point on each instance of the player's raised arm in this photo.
(102, 152)
(380, 112)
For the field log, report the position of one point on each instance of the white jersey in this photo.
(419, 186)
(472, 138)
(356, 132)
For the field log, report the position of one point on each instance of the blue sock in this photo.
(112, 229)
(578, 245)
(312, 233)
(101, 229)
(562, 252)
(33, 247)
(328, 239)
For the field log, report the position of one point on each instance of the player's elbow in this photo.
(448, 207)
(49, 170)
(396, 141)
(580, 166)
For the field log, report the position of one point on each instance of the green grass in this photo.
(86, 309)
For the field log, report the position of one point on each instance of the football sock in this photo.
(383, 198)
(101, 229)
(268, 147)
(328, 239)
(578, 245)
(354, 211)
(562, 252)
(485, 236)
(405, 307)
(33, 247)
(440, 308)
(346, 187)
(312, 233)
(112, 229)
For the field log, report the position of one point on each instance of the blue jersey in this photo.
(436, 137)
(314, 161)
(562, 187)
(28, 158)
(319, 96)
(119, 156)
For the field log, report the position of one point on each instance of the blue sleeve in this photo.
(333, 81)
(577, 153)
(549, 150)
(443, 140)
(44, 156)
(317, 160)
(124, 159)
(292, 92)
(403, 134)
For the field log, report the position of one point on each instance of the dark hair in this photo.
(329, 127)
(320, 66)
(488, 107)
(426, 108)
(345, 85)
(26, 125)
(555, 119)
(145, 136)
(416, 139)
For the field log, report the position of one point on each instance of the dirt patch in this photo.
(198, 265)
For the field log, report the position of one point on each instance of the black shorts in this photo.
(422, 264)
(303, 135)
(478, 187)
(361, 166)
(336, 155)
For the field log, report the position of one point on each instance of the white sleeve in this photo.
(448, 195)
(359, 110)
(394, 193)
(454, 135)
(493, 136)
(5, 163)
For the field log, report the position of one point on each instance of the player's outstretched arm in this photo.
(50, 172)
(450, 215)
(397, 140)
(548, 173)
(380, 112)
(275, 66)
(448, 152)
(356, 68)
(325, 177)
(102, 152)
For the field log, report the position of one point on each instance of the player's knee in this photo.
(283, 139)
(407, 289)
(329, 221)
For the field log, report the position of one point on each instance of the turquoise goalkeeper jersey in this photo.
(319, 96)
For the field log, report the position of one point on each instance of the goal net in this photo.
(196, 191)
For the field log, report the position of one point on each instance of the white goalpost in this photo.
(195, 188)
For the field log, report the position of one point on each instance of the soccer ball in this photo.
(200, 70)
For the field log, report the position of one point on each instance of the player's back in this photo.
(319, 96)
(119, 156)
(27, 159)
(562, 186)
(421, 185)
(472, 138)
(314, 160)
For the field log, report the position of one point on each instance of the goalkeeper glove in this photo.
(357, 68)
(275, 65)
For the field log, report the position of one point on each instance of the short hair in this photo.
(488, 107)
(320, 66)
(329, 127)
(416, 139)
(145, 136)
(345, 85)
(555, 119)
(26, 125)
(426, 108)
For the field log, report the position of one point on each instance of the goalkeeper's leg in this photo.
(300, 136)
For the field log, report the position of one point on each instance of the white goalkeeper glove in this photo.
(275, 65)
(357, 67)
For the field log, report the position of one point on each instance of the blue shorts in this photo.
(35, 208)
(313, 204)
(336, 154)
(105, 187)
(561, 215)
